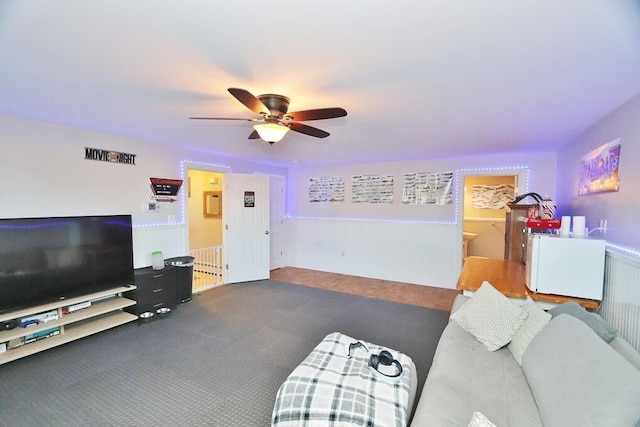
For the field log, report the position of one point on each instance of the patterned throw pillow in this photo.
(537, 319)
(492, 318)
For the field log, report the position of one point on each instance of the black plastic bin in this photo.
(184, 276)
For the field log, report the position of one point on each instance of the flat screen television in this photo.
(49, 259)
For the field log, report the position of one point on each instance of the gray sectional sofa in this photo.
(556, 370)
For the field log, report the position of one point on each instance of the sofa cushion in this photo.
(578, 380)
(536, 320)
(458, 302)
(594, 321)
(620, 345)
(490, 317)
(465, 378)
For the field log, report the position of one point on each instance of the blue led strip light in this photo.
(509, 170)
(184, 164)
(456, 208)
(363, 219)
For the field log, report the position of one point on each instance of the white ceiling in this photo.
(419, 78)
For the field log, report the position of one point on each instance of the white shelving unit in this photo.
(104, 313)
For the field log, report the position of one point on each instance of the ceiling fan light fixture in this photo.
(275, 119)
(271, 132)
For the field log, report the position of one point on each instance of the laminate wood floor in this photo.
(407, 293)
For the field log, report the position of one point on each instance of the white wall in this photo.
(410, 243)
(44, 173)
(620, 208)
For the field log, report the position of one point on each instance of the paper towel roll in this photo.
(578, 226)
(565, 226)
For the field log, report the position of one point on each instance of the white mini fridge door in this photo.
(565, 266)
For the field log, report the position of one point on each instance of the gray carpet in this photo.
(216, 361)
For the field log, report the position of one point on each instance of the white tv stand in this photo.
(103, 314)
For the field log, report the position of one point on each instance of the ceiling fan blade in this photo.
(318, 114)
(254, 135)
(308, 130)
(225, 118)
(249, 101)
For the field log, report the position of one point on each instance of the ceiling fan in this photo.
(276, 121)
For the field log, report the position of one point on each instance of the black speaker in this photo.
(9, 324)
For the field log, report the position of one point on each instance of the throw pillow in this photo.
(536, 320)
(492, 318)
(594, 321)
(479, 420)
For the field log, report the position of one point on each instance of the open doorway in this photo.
(485, 202)
(204, 207)
(228, 225)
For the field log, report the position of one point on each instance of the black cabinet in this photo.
(154, 289)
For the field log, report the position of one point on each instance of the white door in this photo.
(245, 212)
(277, 228)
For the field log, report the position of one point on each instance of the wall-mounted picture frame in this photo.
(599, 170)
(212, 204)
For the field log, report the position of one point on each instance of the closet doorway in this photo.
(204, 206)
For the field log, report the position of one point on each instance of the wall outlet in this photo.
(603, 226)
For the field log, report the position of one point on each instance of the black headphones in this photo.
(385, 358)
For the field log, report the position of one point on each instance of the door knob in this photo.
(266, 232)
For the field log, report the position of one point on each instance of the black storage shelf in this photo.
(155, 289)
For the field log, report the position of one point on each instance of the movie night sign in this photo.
(109, 156)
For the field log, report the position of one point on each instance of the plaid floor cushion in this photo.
(331, 387)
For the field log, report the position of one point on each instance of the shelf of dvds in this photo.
(104, 312)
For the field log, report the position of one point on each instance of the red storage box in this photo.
(546, 224)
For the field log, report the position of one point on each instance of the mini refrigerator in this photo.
(565, 266)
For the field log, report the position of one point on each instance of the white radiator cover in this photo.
(621, 302)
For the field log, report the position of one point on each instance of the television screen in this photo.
(48, 259)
